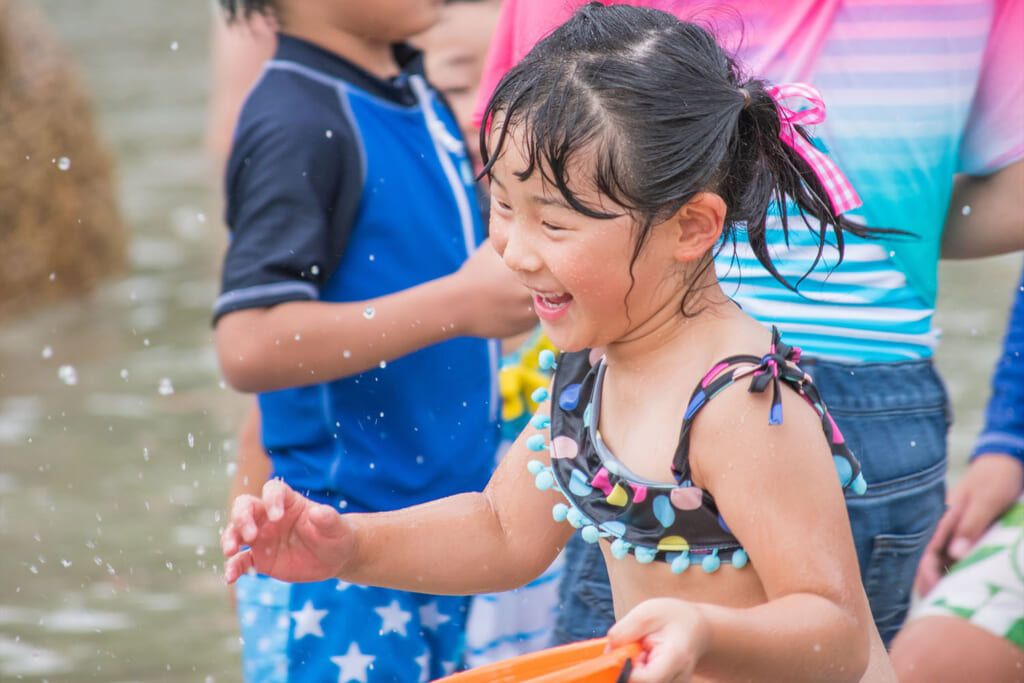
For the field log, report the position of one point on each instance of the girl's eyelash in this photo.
(549, 226)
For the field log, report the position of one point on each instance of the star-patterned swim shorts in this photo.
(337, 631)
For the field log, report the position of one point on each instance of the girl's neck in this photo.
(647, 351)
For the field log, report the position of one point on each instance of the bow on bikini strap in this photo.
(772, 364)
(840, 191)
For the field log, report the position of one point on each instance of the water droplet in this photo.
(201, 217)
(174, 46)
(53, 276)
(145, 454)
(169, 565)
(124, 373)
(329, 133)
(346, 353)
(892, 254)
(63, 163)
(966, 210)
(913, 444)
(47, 352)
(145, 342)
(68, 375)
(383, 364)
(369, 312)
(191, 444)
(66, 563)
(371, 257)
(314, 269)
(298, 337)
(165, 388)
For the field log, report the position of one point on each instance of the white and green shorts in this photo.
(987, 587)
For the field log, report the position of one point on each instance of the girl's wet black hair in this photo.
(246, 8)
(666, 115)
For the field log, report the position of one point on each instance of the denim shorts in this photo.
(895, 417)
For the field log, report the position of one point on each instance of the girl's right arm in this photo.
(307, 342)
(469, 543)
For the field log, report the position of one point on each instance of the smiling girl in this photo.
(622, 152)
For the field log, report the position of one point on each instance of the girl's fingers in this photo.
(640, 621)
(237, 565)
(229, 540)
(276, 496)
(247, 513)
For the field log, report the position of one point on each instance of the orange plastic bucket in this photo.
(585, 662)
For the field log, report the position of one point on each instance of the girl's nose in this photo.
(516, 248)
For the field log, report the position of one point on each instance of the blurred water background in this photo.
(113, 486)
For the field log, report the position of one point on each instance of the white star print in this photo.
(423, 661)
(393, 618)
(353, 664)
(307, 621)
(430, 617)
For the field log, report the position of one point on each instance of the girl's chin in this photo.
(557, 335)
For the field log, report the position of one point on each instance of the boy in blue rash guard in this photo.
(355, 303)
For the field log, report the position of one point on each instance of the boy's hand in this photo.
(673, 634)
(497, 305)
(289, 537)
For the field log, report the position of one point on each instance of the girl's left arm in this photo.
(777, 488)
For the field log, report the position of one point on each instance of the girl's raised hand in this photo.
(673, 634)
(288, 536)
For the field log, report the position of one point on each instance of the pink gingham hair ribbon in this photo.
(840, 191)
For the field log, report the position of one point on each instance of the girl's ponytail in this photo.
(772, 170)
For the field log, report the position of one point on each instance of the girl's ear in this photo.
(698, 225)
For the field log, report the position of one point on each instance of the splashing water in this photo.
(369, 312)
(68, 375)
(165, 388)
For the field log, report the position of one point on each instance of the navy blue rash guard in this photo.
(343, 187)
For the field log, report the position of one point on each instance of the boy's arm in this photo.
(306, 342)
(469, 543)
(776, 487)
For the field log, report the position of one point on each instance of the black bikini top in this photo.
(676, 523)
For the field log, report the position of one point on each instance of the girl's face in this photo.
(578, 267)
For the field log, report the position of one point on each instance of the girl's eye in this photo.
(553, 228)
(502, 205)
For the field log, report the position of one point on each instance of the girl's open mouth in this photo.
(551, 306)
